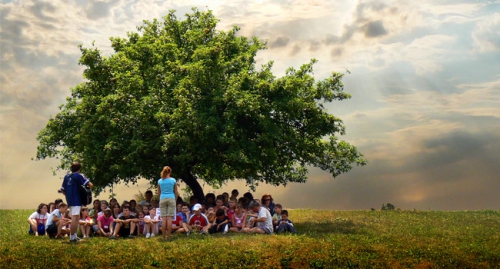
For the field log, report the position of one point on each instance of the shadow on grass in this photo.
(338, 226)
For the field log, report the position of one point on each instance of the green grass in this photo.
(326, 239)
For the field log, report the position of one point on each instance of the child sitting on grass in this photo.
(106, 224)
(220, 222)
(238, 219)
(277, 215)
(125, 225)
(151, 223)
(56, 222)
(86, 222)
(38, 220)
(198, 221)
(284, 224)
(141, 228)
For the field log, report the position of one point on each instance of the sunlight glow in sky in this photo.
(424, 79)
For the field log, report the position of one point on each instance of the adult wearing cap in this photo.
(70, 188)
(167, 188)
(105, 223)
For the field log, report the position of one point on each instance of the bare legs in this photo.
(166, 230)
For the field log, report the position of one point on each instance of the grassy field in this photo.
(326, 239)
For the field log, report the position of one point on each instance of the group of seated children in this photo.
(221, 214)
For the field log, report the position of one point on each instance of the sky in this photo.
(424, 79)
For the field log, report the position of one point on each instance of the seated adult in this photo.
(268, 202)
(125, 226)
(264, 219)
(105, 224)
(38, 219)
(56, 222)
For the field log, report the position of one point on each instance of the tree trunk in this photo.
(195, 186)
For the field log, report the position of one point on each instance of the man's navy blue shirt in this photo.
(71, 185)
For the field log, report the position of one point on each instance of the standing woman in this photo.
(167, 188)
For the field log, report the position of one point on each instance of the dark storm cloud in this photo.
(461, 146)
(375, 29)
(443, 186)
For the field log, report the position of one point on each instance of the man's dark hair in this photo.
(125, 207)
(284, 212)
(248, 196)
(148, 192)
(75, 167)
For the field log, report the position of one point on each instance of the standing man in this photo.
(70, 188)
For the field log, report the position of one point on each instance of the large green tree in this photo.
(185, 94)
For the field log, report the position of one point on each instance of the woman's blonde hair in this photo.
(166, 172)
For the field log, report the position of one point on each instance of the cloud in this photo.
(279, 42)
(295, 50)
(425, 108)
(375, 28)
(97, 10)
(486, 35)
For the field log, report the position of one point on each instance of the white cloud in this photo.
(486, 34)
(426, 53)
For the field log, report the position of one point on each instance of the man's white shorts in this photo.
(74, 210)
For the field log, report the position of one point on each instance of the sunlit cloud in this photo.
(426, 98)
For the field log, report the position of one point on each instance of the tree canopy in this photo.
(185, 94)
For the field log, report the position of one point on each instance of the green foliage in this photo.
(326, 239)
(389, 206)
(184, 94)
